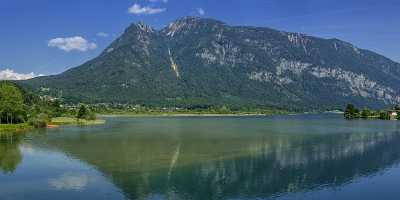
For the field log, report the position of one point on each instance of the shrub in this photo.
(351, 112)
(85, 113)
(40, 121)
(365, 113)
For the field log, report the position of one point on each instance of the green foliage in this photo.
(11, 128)
(351, 112)
(39, 121)
(82, 112)
(10, 155)
(74, 121)
(384, 115)
(365, 113)
(85, 113)
(20, 106)
(12, 108)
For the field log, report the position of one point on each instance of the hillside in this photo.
(196, 61)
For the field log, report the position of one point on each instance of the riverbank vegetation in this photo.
(14, 127)
(352, 112)
(75, 121)
(140, 110)
(23, 110)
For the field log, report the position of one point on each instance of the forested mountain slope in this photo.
(196, 61)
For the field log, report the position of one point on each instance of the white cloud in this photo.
(68, 44)
(155, 1)
(9, 74)
(145, 10)
(102, 34)
(70, 182)
(201, 11)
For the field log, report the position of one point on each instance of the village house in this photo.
(393, 114)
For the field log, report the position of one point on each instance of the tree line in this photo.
(352, 112)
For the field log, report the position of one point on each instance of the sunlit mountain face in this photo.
(224, 158)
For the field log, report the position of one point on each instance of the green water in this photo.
(282, 157)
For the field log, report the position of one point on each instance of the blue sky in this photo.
(48, 36)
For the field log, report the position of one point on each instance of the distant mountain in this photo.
(197, 61)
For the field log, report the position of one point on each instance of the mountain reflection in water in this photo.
(227, 158)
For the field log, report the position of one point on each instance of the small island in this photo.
(351, 112)
(23, 110)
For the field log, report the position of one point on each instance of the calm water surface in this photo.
(201, 158)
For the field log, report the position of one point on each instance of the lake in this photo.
(205, 158)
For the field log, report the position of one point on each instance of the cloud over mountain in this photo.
(9, 74)
(156, 1)
(137, 9)
(76, 43)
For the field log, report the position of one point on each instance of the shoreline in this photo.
(14, 128)
(57, 123)
(213, 114)
(62, 121)
(191, 115)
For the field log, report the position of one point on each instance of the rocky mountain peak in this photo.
(144, 27)
(186, 24)
(139, 27)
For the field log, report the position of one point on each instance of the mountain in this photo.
(196, 61)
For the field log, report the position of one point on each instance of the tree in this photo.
(83, 112)
(11, 104)
(384, 115)
(397, 107)
(350, 112)
(39, 121)
(10, 154)
(398, 115)
(365, 113)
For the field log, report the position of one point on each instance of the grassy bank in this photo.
(55, 122)
(75, 121)
(7, 128)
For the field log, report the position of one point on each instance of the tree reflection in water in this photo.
(10, 154)
(227, 166)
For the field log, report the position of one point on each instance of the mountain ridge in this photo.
(198, 61)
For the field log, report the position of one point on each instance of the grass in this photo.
(7, 128)
(13, 128)
(75, 121)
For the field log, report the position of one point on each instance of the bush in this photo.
(351, 112)
(39, 121)
(85, 113)
(365, 113)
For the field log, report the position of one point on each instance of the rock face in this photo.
(196, 61)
